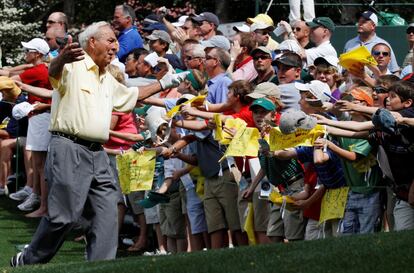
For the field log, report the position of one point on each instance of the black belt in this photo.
(90, 145)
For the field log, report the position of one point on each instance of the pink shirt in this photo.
(125, 124)
(245, 71)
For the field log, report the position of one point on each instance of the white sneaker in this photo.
(31, 203)
(21, 194)
(157, 252)
(4, 191)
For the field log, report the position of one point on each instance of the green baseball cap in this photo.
(325, 22)
(264, 103)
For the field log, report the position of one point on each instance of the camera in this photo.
(265, 189)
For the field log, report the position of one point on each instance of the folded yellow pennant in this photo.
(359, 55)
(136, 171)
(194, 101)
(223, 137)
(244, 143)
(301, 137)
(333, 204)
(277, 198)
(249, 224)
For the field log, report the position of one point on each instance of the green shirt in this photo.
(363, 174)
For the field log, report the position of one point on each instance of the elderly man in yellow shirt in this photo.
(77, 168)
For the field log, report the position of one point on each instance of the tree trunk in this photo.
(69, 10)
(222, 10)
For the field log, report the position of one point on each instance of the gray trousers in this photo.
(80, 183)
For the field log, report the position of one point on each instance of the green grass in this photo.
(383, 252)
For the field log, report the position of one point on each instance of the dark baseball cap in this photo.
(325, 22)
(155, 26)
(289, 59)
(207, 16)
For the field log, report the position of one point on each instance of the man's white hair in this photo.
(90, 32)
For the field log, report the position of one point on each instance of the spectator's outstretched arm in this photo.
(37, 91)
(347, 125)
(195, 125)
(247, 194)
(317, 195)
(69, 54)
(166, 82)
(405, 121)
(347, 106)
(347, 133)
(345, 154)
(285, 154)
(127, 136)
(154, 101)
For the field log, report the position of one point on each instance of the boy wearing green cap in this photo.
(287, 175)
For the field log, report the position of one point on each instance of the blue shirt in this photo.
(218, 87)
(330, 173)
(356, 42)
(128, 40)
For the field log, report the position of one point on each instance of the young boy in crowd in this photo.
(287, 175)
(395, 149)
(362, 174)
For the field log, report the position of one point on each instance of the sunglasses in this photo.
(261, 57)
(410, 30)
(262, 32)
(281, 51)
(208, 57)
(26, 50)
(296, 29)
(380, 90)
(383, 53)
(189, 58)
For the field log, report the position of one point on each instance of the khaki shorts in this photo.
(133, 198)
(220, 202)
(261, 212)
(286, 223)
(172, 219)
(183, 198)
(261, 209)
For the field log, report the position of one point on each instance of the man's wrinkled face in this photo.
(103, 46)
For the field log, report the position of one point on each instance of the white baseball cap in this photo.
(37, 44)
(319, 89)
(181, 21)
(242, 28)
(21, 110)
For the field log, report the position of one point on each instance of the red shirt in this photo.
(246, 115)
(125, 124)
(311, 178)
(37, 76)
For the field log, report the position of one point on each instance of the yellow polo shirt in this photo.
(83, 101)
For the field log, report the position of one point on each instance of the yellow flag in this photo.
(196, 100)
(244, 143)
(301, 137)
(231, 123)
(196, 175)
(333, 204)
(277, 198)
(136, 171)
(358, 55)
(249, 224)
(218, 134)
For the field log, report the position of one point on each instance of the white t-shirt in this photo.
(322, 50)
